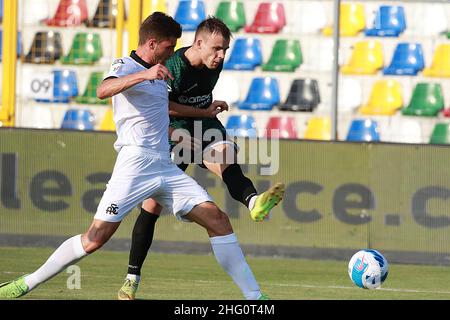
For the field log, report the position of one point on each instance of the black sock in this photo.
(141, 240)
(239, 186)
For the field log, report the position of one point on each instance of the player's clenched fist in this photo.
(158, 72)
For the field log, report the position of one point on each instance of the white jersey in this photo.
(141, 113)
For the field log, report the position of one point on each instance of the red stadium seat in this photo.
(281, 127)
(269, 18)
(69, 13)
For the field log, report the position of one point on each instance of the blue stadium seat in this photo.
(389, 22)
(407, 60)
(263, 94)
(241, 126)
(246, 55)
(78, 119)
(19, 44)
(363, 130)
(190, 13)
(65, 86)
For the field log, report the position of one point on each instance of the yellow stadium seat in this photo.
(385, 99)
(178, 45)
(351, 22)
(440, 67)
(318, 128)
(150, 6)
(366, 58)
(107, 123)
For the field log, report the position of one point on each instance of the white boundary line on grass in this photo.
(345, 287)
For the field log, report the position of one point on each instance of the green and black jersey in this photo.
(192, 87)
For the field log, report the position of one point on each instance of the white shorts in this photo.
(141, 173)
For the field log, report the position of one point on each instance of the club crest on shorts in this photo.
(112, 209)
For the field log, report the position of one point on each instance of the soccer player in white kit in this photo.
(144, 168)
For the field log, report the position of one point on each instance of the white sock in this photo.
(134, 277)
(251, 203)
(68, 253)
(229, 255)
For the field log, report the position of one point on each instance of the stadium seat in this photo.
(1, 10)
(241, 126)
(36, 12)
(366, 58)
(150, 6)
(46, 48)
(440, 66)
(35, 116)
(310, 18)
(105, 15)
(407, 60)
(440, 134)
(363, 130)
(303, 96)
(190, 13)
(107, 123)
(404, 131)
(78, 119)
(65, 86)
(350, 95)
(281, 128)
(318, 128)
(90, 93)
(232, 13)
(227, 89)
(385, 99)
(446, 112)
(426, 100)
(318, 56)
(69, 13)
(389, 22)
(352, 20)
(286, 56)
(245, 55)
(263, 94)
(429, 20)
(447, 33)
(86, 49)
(269, 18)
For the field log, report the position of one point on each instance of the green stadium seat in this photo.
(232, 13)
(286, 56)
(426, 100)
(86, 49)
(440, 134)
(90, 96)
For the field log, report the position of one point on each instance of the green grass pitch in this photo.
(199, 277)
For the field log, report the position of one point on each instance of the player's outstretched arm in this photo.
(113, 86)
(181, 110)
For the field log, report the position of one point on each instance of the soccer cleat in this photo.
(13, 289)
(266, 201)
(128, 290)
(263, 296)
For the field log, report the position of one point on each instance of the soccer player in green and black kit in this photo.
(196, 70)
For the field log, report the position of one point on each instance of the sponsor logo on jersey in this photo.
(194, 100)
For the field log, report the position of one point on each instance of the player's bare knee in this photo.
(219, 223)
(92, 242)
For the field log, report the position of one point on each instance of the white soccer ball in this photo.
(368, 269)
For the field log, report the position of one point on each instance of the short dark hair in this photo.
(160, 26)
(213, 25)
